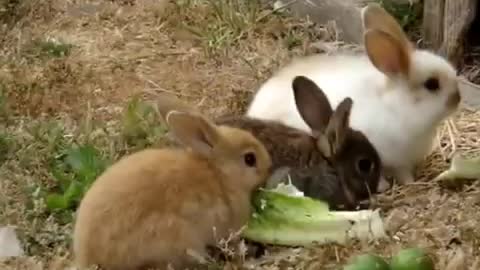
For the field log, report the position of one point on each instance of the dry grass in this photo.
(69, 70)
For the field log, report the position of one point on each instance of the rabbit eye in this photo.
(250, 159)
(364, 165)
(432, 84)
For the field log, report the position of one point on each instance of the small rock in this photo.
(457, 260)
(9, 243)
(396, 220)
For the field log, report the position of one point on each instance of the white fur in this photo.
(398, 117)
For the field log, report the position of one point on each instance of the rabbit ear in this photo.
(311, 102)
(168, 102)
(386, 53)
(376, 17)
(333, 139)
(194, 131)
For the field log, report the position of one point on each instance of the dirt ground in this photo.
(70, 70)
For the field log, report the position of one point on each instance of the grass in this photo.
(75, 160)
(50, 48)
(408, 15)
(140, 127)
(77, 91)
(62, 161)
(227, 22)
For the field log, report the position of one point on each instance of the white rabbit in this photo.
(400, 93)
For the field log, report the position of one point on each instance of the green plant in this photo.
(3, 101)
(412, 259)
(140, 126)
(292, 40)
(7, 143)
(367, 262)
(49, 48)
(406, 259)
(408, 15)
(74, 173)
(49, 138)
(284, 216)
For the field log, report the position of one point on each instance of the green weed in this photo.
(140, 126)
(4, 109)
(74, 160)
(74, 173)
(49, 48)
(7, 145)
(407, 15)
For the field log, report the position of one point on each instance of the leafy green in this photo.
(283, 219)
(462, 167)
(74, 175)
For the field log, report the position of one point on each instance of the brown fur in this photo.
(322, 164)
(288, 147)
(150, 207)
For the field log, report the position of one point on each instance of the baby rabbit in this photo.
(401, 94)
(335, 163)
(154, 207)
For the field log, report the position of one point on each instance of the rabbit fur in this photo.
(155, 207)
(326, 165)
(401, 93)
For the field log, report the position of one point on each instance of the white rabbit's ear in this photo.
(386, 53)
(311, 102)
(194, 131)
(376, 17)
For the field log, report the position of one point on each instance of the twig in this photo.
(452, 139)
(158, 88)
(275, 10)
(439, 142)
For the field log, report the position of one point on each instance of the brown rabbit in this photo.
(335, 163)
(154, 207)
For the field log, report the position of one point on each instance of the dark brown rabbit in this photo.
(335, 163)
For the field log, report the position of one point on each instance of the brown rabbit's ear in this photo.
(333, 139)
(376, 17)
(167, 102)
(386, 53)
(311, 102)
(194, 131)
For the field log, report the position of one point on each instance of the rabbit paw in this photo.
(383, 185)
(404, 176)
